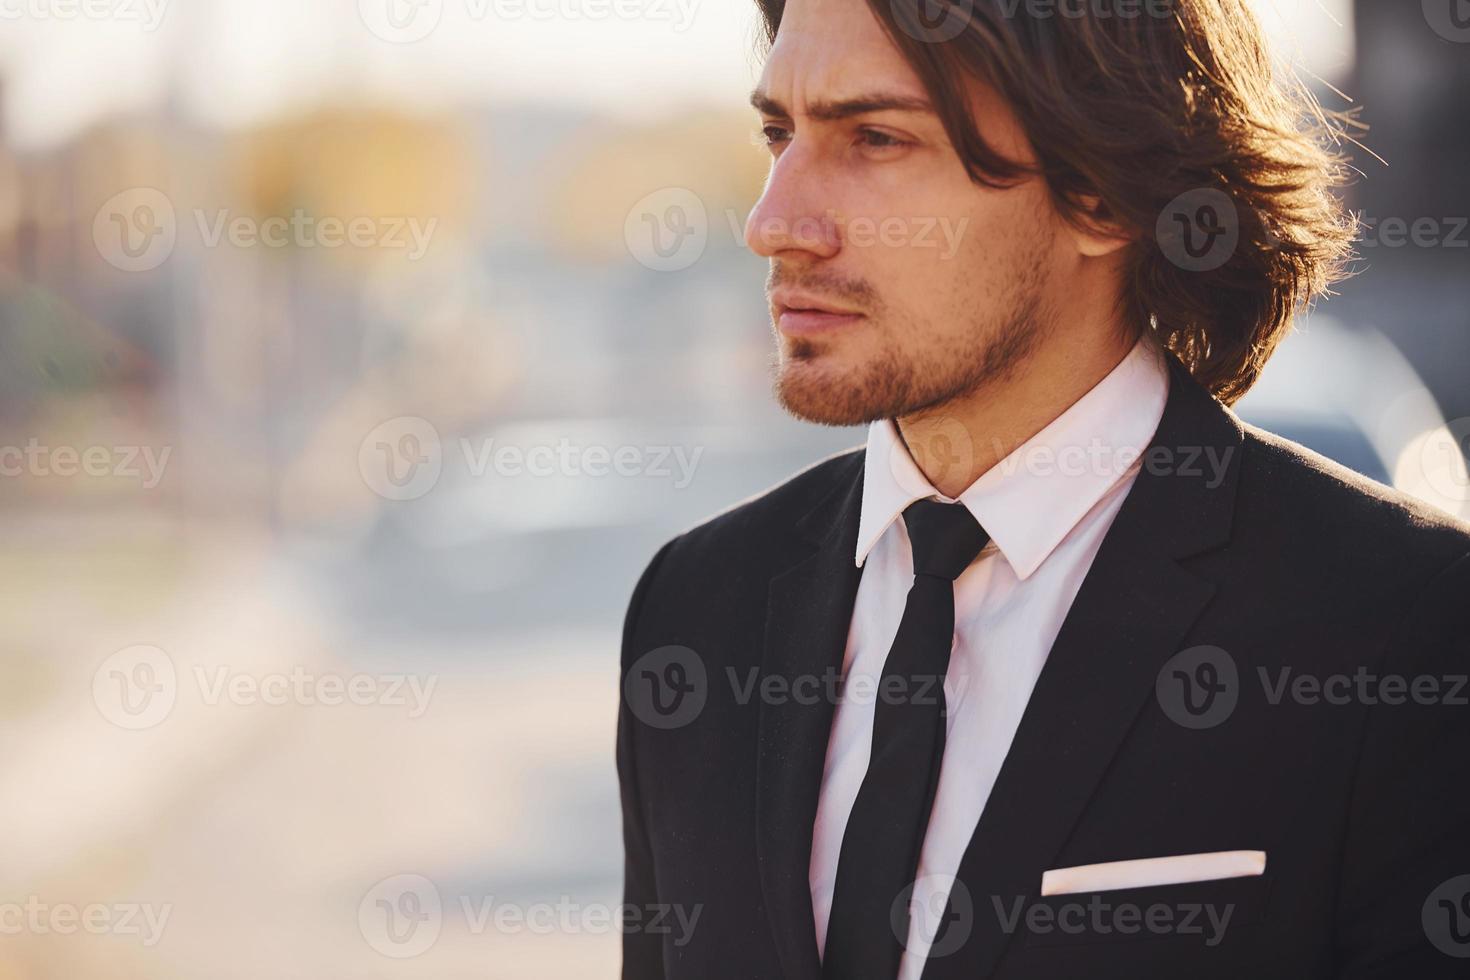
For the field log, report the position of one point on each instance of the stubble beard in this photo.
(896, 383)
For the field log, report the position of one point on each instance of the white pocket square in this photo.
(1146, 872)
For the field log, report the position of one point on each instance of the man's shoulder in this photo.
(1305, 497)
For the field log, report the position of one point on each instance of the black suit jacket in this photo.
(1287, 567)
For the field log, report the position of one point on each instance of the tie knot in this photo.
(945, 538)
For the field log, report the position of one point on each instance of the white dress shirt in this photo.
(1046, 506)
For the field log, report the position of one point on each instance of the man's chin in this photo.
(828, 394)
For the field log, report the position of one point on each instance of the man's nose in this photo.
(795, 212)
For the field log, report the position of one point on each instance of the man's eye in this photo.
(879, 140)
(773, 135)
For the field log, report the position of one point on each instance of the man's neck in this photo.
(955, 443)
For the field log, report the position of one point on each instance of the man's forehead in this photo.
(832, 50)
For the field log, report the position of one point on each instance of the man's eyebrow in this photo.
(833, 110)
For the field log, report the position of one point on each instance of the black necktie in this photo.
(885, 831)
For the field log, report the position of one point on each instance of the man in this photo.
(1067, 672)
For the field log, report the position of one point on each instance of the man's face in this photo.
(897, 283)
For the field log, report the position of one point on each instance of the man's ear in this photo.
(1093, 228)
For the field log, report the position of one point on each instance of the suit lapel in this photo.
(1130, 615)
(808, 612)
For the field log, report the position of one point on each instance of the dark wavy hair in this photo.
(1134, 109)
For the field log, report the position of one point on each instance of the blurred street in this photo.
(347, 383)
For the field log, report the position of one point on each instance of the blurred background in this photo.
(355, 355)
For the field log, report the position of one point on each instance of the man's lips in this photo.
(800, 315)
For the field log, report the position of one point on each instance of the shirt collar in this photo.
(1032, 499)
